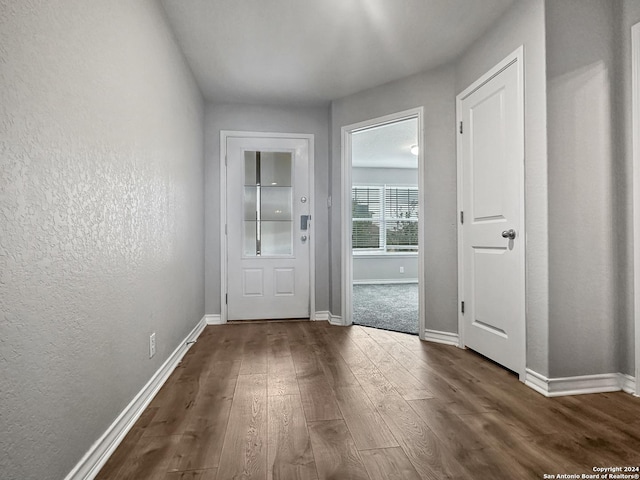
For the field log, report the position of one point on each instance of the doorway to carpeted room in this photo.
(388, 306)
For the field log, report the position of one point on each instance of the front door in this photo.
(268, 227)
(492, 223)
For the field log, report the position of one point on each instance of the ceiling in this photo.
(386, 146)
(309, 52)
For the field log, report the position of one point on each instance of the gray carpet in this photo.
(388, 306)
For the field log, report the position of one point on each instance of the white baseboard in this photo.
(579, 385)
(322, 316)
(385, 282)
(447, 338)
(335, 320)
(628, 384)
(91, 463)
(213, 319)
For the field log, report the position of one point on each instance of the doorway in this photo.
(382, 180)
(267, 200)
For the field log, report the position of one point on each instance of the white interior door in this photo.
(492, 230)
(268, 228)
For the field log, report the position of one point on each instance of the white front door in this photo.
(492, 230)
(268, 227)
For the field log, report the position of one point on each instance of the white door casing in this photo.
(346, 220)
(491, 264)
(267, 257)
(635, 94)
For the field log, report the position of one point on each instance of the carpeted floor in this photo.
(388, 306)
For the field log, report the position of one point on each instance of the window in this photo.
(385, 219)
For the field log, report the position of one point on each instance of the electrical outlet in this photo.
(401, 269)
(152, 344)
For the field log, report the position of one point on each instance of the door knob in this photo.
(511, 234)
(303, 238)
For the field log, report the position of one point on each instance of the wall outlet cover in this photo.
(152, 345)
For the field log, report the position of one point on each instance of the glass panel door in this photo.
(268, 204)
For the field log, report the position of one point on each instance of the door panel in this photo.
(492, 200)
(267, 249)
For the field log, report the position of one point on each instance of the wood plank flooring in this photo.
(306, 400)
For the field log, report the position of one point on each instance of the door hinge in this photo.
(461, 127)
(225, 228)
(462, 307)
(226, 298)
(225, 160)
(461, 217)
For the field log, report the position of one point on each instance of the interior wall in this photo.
(434, 91)
(309, 120)
(381, 268)
(627, 15)
(101, 200)
(580, 76)
(384, 176)
(524, 24)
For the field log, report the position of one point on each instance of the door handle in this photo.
(303, 238)
(510, 234)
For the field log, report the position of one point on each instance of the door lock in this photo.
(510, 234)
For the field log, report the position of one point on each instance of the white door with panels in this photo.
(268, 228)
(492, 240)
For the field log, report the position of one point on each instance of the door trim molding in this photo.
(635, 95)
(516, 57)
(346, 317)
(224, 136)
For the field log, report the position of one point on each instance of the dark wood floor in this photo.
(305, 400)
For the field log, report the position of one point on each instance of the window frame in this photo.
(383, 220)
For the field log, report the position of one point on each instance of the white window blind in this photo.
(385, 218)
(366, 211)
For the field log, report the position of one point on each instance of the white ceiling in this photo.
(386, 146)
(308, 52)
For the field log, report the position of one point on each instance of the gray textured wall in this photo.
(101, 207)
(581, 113)
(523, 24)
(313, 120)
(435, 91)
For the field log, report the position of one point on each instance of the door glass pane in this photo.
(250, 168)
(268, 204)
(249, 239)
(276, 238)
(250, 205)
(276, 203)
(275, 169)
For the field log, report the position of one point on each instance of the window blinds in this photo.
(385, 218)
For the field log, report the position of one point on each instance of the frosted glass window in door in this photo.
(268, 204)
(276, 238)
(276, 204)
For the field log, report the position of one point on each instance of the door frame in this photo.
(347, 254)
(635, 122)
(516, 57)
(224, 136)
